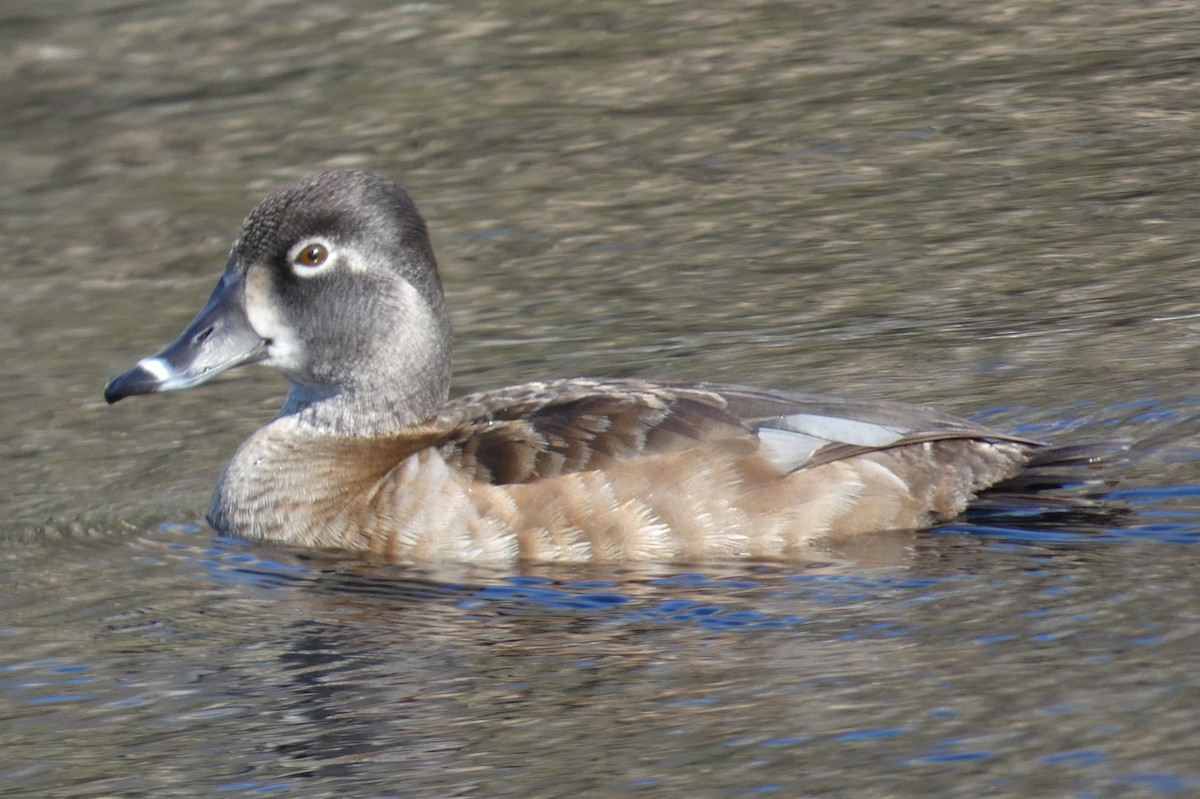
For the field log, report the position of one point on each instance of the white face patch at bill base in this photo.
(286, 351)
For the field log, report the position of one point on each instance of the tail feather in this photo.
(1070, 477)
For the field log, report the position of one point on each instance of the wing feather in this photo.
(543, 430)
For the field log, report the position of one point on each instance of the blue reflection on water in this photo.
(543, 594)
(1165, 784)
(871, 735)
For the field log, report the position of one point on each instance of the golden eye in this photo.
(311, 255)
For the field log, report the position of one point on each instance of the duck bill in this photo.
(217, 340)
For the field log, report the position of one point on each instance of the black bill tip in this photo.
(138, 380)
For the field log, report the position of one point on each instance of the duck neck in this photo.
(363, 411)
(400, 385)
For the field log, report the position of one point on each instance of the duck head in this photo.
(333, 283)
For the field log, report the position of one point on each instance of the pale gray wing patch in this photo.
(789, 442)
(839, 430)
(788, 451)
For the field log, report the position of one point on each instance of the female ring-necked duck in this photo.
(332, 282)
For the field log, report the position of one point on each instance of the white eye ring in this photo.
(310, 256)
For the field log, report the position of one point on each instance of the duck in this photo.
(333, 283)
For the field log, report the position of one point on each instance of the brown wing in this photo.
(541, 430)
(549, 429)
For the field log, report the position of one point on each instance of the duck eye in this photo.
(311, 255)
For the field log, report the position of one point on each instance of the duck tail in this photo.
(1069, 476)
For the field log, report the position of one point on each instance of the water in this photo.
(986, 208)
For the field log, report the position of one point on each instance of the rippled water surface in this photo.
(991, 208)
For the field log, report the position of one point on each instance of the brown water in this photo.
(990, 208)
